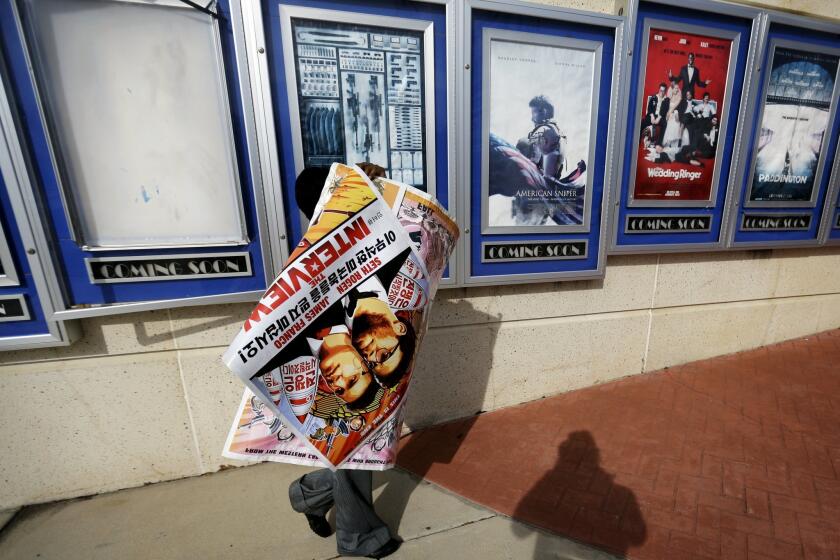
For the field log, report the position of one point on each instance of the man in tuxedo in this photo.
(358, 529)
(690, 76)
(657, 108)
(707, 142)
(688, 117)
(705, 109)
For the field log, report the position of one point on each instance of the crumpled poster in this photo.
(328, 353)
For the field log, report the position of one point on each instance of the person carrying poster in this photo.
(328, 371)
(675, 159)
(797, 104)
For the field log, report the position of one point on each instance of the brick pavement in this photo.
(732, 457)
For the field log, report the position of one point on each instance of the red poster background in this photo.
(668, 50)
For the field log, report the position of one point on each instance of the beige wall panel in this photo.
(806, 272)
(464, 370)
(603, 6)
(532, 359)
(213, 395)
(701, 278)
(793, 318)
(684, 334)
(452, 379)
(695, 279)
(829, 313)
(628, 285)
(79, 427)
(208, 326)
(107, 336)
(823, 8)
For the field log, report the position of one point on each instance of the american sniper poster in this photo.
(537, 131)
(329, 350)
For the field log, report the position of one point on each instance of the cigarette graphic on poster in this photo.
(328, 352)
(680, 112)
(797, 107)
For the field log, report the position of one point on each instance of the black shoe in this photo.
(387, 549)
(319, 525)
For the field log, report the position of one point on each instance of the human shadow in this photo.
(580, 500)
(447, 391)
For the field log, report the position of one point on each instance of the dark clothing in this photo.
(705, 147)
(663, 108)
(683, 155)
(358, 530)
(689, 119)
(686, 154)
(688, 84)
(658, 130)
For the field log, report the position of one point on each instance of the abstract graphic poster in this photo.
(539, 137)
(361, 96)
(330, 348)
(680, 113)
(797, 105)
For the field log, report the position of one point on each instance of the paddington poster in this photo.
(797, 105)
(680, 110)
(328, 352)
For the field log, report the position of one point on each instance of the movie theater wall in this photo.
(446, 122)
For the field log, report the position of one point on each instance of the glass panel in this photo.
(138, 108)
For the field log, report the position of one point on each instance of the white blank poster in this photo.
(141, 121)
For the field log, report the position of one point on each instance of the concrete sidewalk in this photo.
(245, 513)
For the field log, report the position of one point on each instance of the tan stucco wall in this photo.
(144, 397)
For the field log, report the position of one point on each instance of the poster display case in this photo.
(140, 127)
(784, 182)
(26, 303)
(830, 226)
(355, 82)
(539, 121)
(690, 69)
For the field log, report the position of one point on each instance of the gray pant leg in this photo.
(359, 531)
(313, 492)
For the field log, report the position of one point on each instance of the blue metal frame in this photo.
(605, 35)
(436, 13)
(37, 322)
(833, 236)
(668, 241)
(782, 238)
(70, 255)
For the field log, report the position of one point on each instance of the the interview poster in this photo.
(540, 115)
(329, 350)
(797, 105)
(680, 110)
